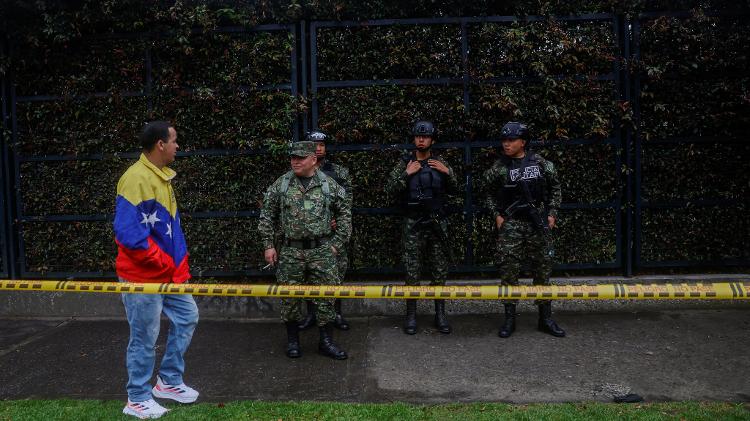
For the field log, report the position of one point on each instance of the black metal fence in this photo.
(627, 147)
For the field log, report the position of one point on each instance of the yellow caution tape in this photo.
(694, 291)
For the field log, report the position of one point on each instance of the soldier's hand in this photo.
(271, 256)
(335, 252)
(552, 221)
(434, 163)
(413, 167)
(499, 221)
(333, 224)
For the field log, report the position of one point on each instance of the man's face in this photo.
(513, 147)
(168, 148)
(423, 143)
(320, 150)
(303, 166)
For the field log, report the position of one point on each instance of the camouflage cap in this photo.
(303, 148)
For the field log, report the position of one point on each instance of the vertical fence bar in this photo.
(624, 134)
(314, 73)
(294, 77)
(17, 196)
(304, 71)
(5, 221)
(468, 201)
(637, 145)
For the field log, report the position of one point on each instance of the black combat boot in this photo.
(327, 347)
(509, 325)
(292, 338)
(340, 322)
(410, 325)
(441, 322)
(309, 320)
(546, 324)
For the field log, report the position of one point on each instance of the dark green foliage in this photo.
(402, 52)
(221, 61)
(110, 124)
(226, 183)
(375, 251)
(584, 236)
(231, 244)
(70, 187)
(386, 114)
(526, 49)
(240, 120)
(217, 88)
(695, 233)
(688, 172)
(85, 67)
(69, 246)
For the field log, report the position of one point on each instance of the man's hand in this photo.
(434, 163)
(499, 221)
(335, 252)
(552, 221)
(413, 167)
(333, 224)
(271, 256)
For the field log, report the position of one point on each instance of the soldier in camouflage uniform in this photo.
(302, 203)
(420, 183)
(342, 176)
(523, 192)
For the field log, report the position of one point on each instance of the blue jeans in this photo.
(144, 314)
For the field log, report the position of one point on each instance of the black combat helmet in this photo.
(514, 130)
(423, 128)
(316, 136)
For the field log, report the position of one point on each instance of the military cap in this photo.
(304, 148)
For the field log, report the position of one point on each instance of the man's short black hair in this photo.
(154, 131)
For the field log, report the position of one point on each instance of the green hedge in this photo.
(215, 86)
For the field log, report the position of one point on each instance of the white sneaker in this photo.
(144, 410)
(181, 393)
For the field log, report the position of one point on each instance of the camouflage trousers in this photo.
(517, 242)
(425, 246)
(342, 262)
(312, 267)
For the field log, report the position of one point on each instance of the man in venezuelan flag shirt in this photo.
(151, 248)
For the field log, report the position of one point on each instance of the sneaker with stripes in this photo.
(177, 392)
(144, 410)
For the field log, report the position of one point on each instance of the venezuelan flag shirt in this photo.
(151, 245)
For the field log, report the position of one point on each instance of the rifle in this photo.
(539, 222)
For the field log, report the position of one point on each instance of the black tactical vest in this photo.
(328, 170)
(529, 171)
(425, 190)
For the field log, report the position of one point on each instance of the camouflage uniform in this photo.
(422, 235)
(301, 214)
(342, 176)
(518, 239)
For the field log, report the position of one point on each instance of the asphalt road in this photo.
(688, 354)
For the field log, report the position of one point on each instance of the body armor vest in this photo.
(529, 171)
(328, 170)
(425, 190)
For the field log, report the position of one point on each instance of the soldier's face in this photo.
(422, 142)
(320, 150)
(303, 166)
(513, 147)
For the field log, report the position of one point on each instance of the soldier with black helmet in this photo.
(420, 183)
(342, 176)
(523, 193)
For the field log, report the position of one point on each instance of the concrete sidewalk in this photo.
(696, 353)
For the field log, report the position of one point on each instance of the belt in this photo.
(306, 243)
